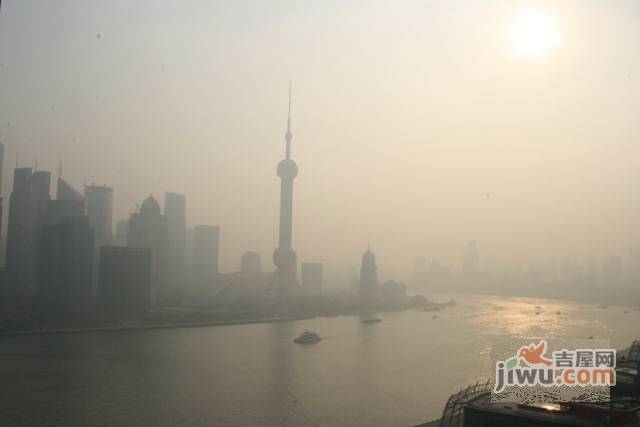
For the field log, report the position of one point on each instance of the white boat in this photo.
(307, 338)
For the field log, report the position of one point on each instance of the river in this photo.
(399, 372)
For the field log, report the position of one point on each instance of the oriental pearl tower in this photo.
(284, 282)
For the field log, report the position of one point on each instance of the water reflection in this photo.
(397, 372)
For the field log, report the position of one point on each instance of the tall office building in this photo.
(284, 281)
(69, 203)
(65, 269)
(3, 242)
(41, 190)
(99, 200)
(1, 192)
(125, 280)
(311, 278)
(21, 238)
(99, 208)
(176, 213)
(368, 278)
(206, 249)
(251, 263)
(65, 191)
(148, 229)
(120, 237)
(1, 166)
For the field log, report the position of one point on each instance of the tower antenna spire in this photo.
(288, 135)
(289, 114)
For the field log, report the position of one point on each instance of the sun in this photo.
(533, 34)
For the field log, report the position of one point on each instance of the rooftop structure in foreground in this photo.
(482, 412)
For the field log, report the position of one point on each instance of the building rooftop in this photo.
(484, 412)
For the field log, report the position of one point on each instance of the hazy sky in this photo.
(416, 125)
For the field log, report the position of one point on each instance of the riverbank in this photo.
(134, 327)
(169, 320)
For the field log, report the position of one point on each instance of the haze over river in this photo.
(399, 372)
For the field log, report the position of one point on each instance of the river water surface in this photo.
(399, 372)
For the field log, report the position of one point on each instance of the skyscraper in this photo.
(3, 242)
(1, 193)
(65, 191)
(284, 280)
(68, 203)
(120, 237)
(41, 190)
(368, 278)
(125, 280)
(99, 200)
(65, 269)
(21, 237)
(206, 247)
(99, 207)
(1, 166)
(148, 229)
(175, 211)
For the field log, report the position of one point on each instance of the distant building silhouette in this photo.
(65, 267)
(99, 206)
(99, 201)
(125, 280)
(188, 258)
(206, 248)
(69, 203)
(120, 236)
(41, 190)
(251, 263)
(175, 211)
(284, 280)
(65, 191)
(1, 167)
(148, 229)
(1, 202)
(311, 278)
(21, 238)
(250, 280)
(368, 278)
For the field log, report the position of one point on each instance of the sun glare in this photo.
(533, 34)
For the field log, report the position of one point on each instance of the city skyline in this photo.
(452, 161)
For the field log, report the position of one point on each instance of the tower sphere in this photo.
(287, 169)
(285, 257)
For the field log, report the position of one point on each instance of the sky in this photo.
(417, 125)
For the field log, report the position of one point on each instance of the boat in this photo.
(372, 320)
(307, 338)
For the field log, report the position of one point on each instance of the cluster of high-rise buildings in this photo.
(64, 260)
